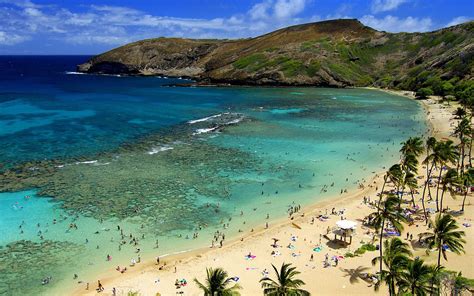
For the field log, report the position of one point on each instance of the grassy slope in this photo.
(338, 53)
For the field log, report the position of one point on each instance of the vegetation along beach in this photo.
(270, 152)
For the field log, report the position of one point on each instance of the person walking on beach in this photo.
(100, 288)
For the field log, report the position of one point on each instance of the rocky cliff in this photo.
(329, 53)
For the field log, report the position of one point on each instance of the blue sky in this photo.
(93, 26)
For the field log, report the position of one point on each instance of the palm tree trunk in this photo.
(428, 175)
(462, 158)
(412, 198)
(391, 287)
(439, 253)
(380, 249)
(441, 201)
(400, 197)
(429, 193)
(470, 151)
(464, 199)
(381, 192)
(437, 189)
(460, 154)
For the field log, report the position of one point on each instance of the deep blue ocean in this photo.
(165, 162)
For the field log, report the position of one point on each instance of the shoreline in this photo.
(350, 201)
(184, 256)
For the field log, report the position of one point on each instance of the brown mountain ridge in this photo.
(335, 53)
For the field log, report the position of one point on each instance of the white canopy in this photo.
(346, 224)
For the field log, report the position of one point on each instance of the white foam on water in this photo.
(207, 118)
(211, 129)
(87, 162)
(156, 150)
(235, 121)
(74, 73)
(93, 162)
(204, 130)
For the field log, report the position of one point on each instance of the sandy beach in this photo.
(298, 238)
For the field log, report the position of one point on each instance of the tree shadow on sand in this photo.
(416, 244)
(356, 274)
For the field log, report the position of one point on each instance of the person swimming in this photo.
(46, 280)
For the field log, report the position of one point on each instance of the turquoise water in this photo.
(163, 163)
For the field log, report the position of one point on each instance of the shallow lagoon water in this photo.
(166, 162)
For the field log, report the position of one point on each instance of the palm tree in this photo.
(467, 180)
(412, 146)
(465, 101)
(445, 152)
(394, 173)
(410, 163)
(450, 182)
(459, 113)
(410, 167)
(416, 278)
(430, 144)
(395, 258)
(461, 284)
(437, 275)
(462, 129)
(411, 149)
(412, 184)
(217, 283)
(387, 213)
(286, 283)
(445, 234)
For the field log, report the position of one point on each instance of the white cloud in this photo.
(21, 3)
(277, 9)
(34, 12)
(123, 24)
(395, 24)
(459, 20)
(11, 39)
(86, 38)
(21, 20)
(284, 9)
(385, 5)
(260, 10)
